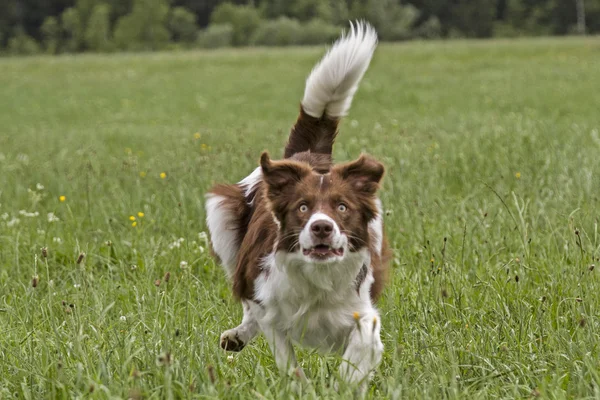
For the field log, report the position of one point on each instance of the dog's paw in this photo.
(230, 341)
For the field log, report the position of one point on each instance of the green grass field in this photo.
(491, 196)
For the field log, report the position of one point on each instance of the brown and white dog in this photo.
(302, 238)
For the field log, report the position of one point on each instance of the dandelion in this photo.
(140, 214)
(134, 224)
(204, 146)
(132, 218)
(197, 135)
(518, 175)
(142, 174)
(163, 175)
(62, 198)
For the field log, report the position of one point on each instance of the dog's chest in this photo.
(311, 313)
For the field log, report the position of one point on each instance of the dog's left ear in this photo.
(279, 175)
(363, 174)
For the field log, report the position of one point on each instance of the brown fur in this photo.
(312, 134)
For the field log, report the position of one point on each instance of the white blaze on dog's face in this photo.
(322, 217)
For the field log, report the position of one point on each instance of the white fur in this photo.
(314, 304)
(220, 225)
(305, 239)
(376, 228)
(250, 182)
(332, 83)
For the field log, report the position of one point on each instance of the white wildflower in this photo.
(176, 243)
(39, 186)
(354, 123)
(57, 240)
(4, 216)
(52, 217)
(13, 222)
(29, 214)
(77, 286)
(123, 318)
(183, 264)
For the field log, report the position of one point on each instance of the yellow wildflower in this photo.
(518, 175)
(197, 135)
(132, 218)
(62, 198)
(163, 175)
(142, 174)
(140, 214)
(134, 224)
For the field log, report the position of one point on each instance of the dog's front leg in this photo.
(283, 351)
(237, 338)
(364, 349)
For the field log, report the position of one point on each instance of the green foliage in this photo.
(317, 31)
(97, 34)
(73, 29)
(215, 36)
(51, 34)
(392, 20)
(22, 44)
(145, 27)
(279, 32)
(182, 24)
(430, 29)
(245, 19)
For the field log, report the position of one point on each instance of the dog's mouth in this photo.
(322, 252)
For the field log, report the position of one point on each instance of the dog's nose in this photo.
(321, 229)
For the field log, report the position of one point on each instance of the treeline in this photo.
(66, 26)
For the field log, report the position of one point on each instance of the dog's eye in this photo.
(303, 208)
(342, 207)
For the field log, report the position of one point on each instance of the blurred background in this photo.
(70, 26)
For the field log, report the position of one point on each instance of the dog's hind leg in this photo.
(237, 338)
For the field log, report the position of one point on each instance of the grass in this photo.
(491, 196)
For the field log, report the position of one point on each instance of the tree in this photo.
(243, 19)
(97, 34)
(144, 28)
(73, 28)
(182, 24)
(51, 34)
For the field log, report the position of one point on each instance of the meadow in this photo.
(492, 199)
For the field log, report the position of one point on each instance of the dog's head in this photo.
(322, 217)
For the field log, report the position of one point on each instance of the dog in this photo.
(302, 239)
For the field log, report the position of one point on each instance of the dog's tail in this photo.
(329, 90)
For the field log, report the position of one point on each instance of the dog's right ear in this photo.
(279, 175)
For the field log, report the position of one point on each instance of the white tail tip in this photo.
(332, 83)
